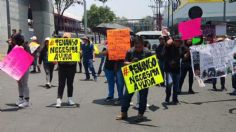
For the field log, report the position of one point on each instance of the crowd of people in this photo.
(174, 61)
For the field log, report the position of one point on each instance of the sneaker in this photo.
(109, 99)
(70, 101)
(191, 92)
(58, 105)
(95, 79)
(25, 104)
(139, 118)
(19, 101)
(122, 116)
(148, 105)
(48, 85)
(34, 71)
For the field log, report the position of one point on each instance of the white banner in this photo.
(213, 60)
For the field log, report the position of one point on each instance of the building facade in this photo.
(14, 15)
(212, 18)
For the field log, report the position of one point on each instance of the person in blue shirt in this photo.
(88, 58)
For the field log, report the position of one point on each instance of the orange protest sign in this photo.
(118, 43)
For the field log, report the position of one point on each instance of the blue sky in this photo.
(132, 9)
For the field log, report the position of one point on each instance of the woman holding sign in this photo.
(138, 52)
(23, 82)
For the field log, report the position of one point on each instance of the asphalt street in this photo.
(205, 111)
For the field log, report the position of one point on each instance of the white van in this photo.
(151, 36)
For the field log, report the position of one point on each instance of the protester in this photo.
(23, 88)
(159, 54)
(9, 41)
(114, 76)
(36, 55)
(138, 52)
(172, 68)
(66, 73)
(222, 79)
(48, 66)
(186, 67)
(234, 76)
(88, 58)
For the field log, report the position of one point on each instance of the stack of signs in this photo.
(142, 74)
(118, 43)
(16, 63)
(64, 50)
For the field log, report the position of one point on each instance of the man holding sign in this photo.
(135, 54)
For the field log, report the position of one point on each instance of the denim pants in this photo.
(222, 82)
(48, 68)
(23, 86)
(234, 81)
(125, 103)
(113, 78)
(184, 69)
(66, 75)
(88, 65)
(175, 80)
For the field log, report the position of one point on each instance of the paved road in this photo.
(206, 111)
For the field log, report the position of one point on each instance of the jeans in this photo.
(234, 81)
(88, 65)
(222, 82)
(101, 65)
(175, 79)
(113, 78)
(66, 74)
(184, 69)
(48, 68)
(23, 86)
(125, 102)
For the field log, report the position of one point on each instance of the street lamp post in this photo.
(224, 15)
(85, 18)
(8, 19)
(168, 17)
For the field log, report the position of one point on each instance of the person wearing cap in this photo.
(36, 55)
(88, 58)
(48, 66)
(172, 57)
(222, 79)
(66, 74)
(23, 88)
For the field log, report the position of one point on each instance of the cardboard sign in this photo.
(142, 74)
(96, 50)
(190, 29)
(64, 50)
(16, 63)
(33, 47)
(118, 43)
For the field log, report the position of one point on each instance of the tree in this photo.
(97, 15)
(61, 6)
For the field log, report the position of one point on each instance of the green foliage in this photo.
(97, 15)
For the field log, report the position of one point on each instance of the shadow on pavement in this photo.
(132, 120)
(232, 111)
(103, 102)
(153, 108)
(200, 103)
(232, 94)
(64, 105)
(13, 109)
(186, 93)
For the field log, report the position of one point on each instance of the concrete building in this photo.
(14, 15)
(212, 18)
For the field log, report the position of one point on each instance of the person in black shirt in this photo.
(186, 67)
(172, 68)
(138, 52)
(159, 54)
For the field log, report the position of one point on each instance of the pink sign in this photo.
(16, 63)
(190, 29)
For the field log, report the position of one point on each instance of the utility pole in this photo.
(224, 12)
(8, 19)
(168, 17)
(85, 18)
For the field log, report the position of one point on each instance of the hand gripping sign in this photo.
(142, 74)
(16, 63)
(64, 50)
(33, 47)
